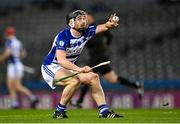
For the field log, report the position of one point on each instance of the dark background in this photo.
(145, 46)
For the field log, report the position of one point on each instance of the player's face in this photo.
(81, 21)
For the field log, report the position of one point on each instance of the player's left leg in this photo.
(138, 86)
(92, 79)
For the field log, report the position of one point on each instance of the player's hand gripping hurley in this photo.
(66, 77)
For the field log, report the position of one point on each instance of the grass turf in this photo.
(91, 116)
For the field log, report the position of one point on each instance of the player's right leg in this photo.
(11, 86)
(78, 104)
(12, 93)
(67, 94)
(70, 86)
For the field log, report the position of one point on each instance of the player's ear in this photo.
(71, 23)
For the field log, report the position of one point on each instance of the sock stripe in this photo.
(104, 109)
(60, 108)
(102, 106)
(61, 105)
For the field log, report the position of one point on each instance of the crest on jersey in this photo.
(61, 43)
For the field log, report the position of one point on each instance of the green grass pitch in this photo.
(91, 116)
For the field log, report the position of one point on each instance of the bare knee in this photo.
(75, 83)
(95, 76)
(90, 78)
(112, 80)
(111, 77)
(18, 86)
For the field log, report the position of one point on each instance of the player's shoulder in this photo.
(8, 43)
(63, 34)
(8, 40)
(90, 31)
(92, 26)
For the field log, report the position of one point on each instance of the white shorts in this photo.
(15, 70)
(48, 73)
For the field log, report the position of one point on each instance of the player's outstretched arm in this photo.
(111, 23)
(5, 55)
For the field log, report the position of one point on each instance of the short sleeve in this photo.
(91, 30)
(61, 43)
(8, 44)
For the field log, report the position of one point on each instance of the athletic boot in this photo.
(34, 103)
(140, 89)
(60, 114)
(110, 114)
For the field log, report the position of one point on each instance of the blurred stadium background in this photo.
(145, 47)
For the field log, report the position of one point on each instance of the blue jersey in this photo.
(15, 46)
(71, 45)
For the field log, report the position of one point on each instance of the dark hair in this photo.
(74, 14)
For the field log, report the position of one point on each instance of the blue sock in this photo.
(60, 108)
(103, 109)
